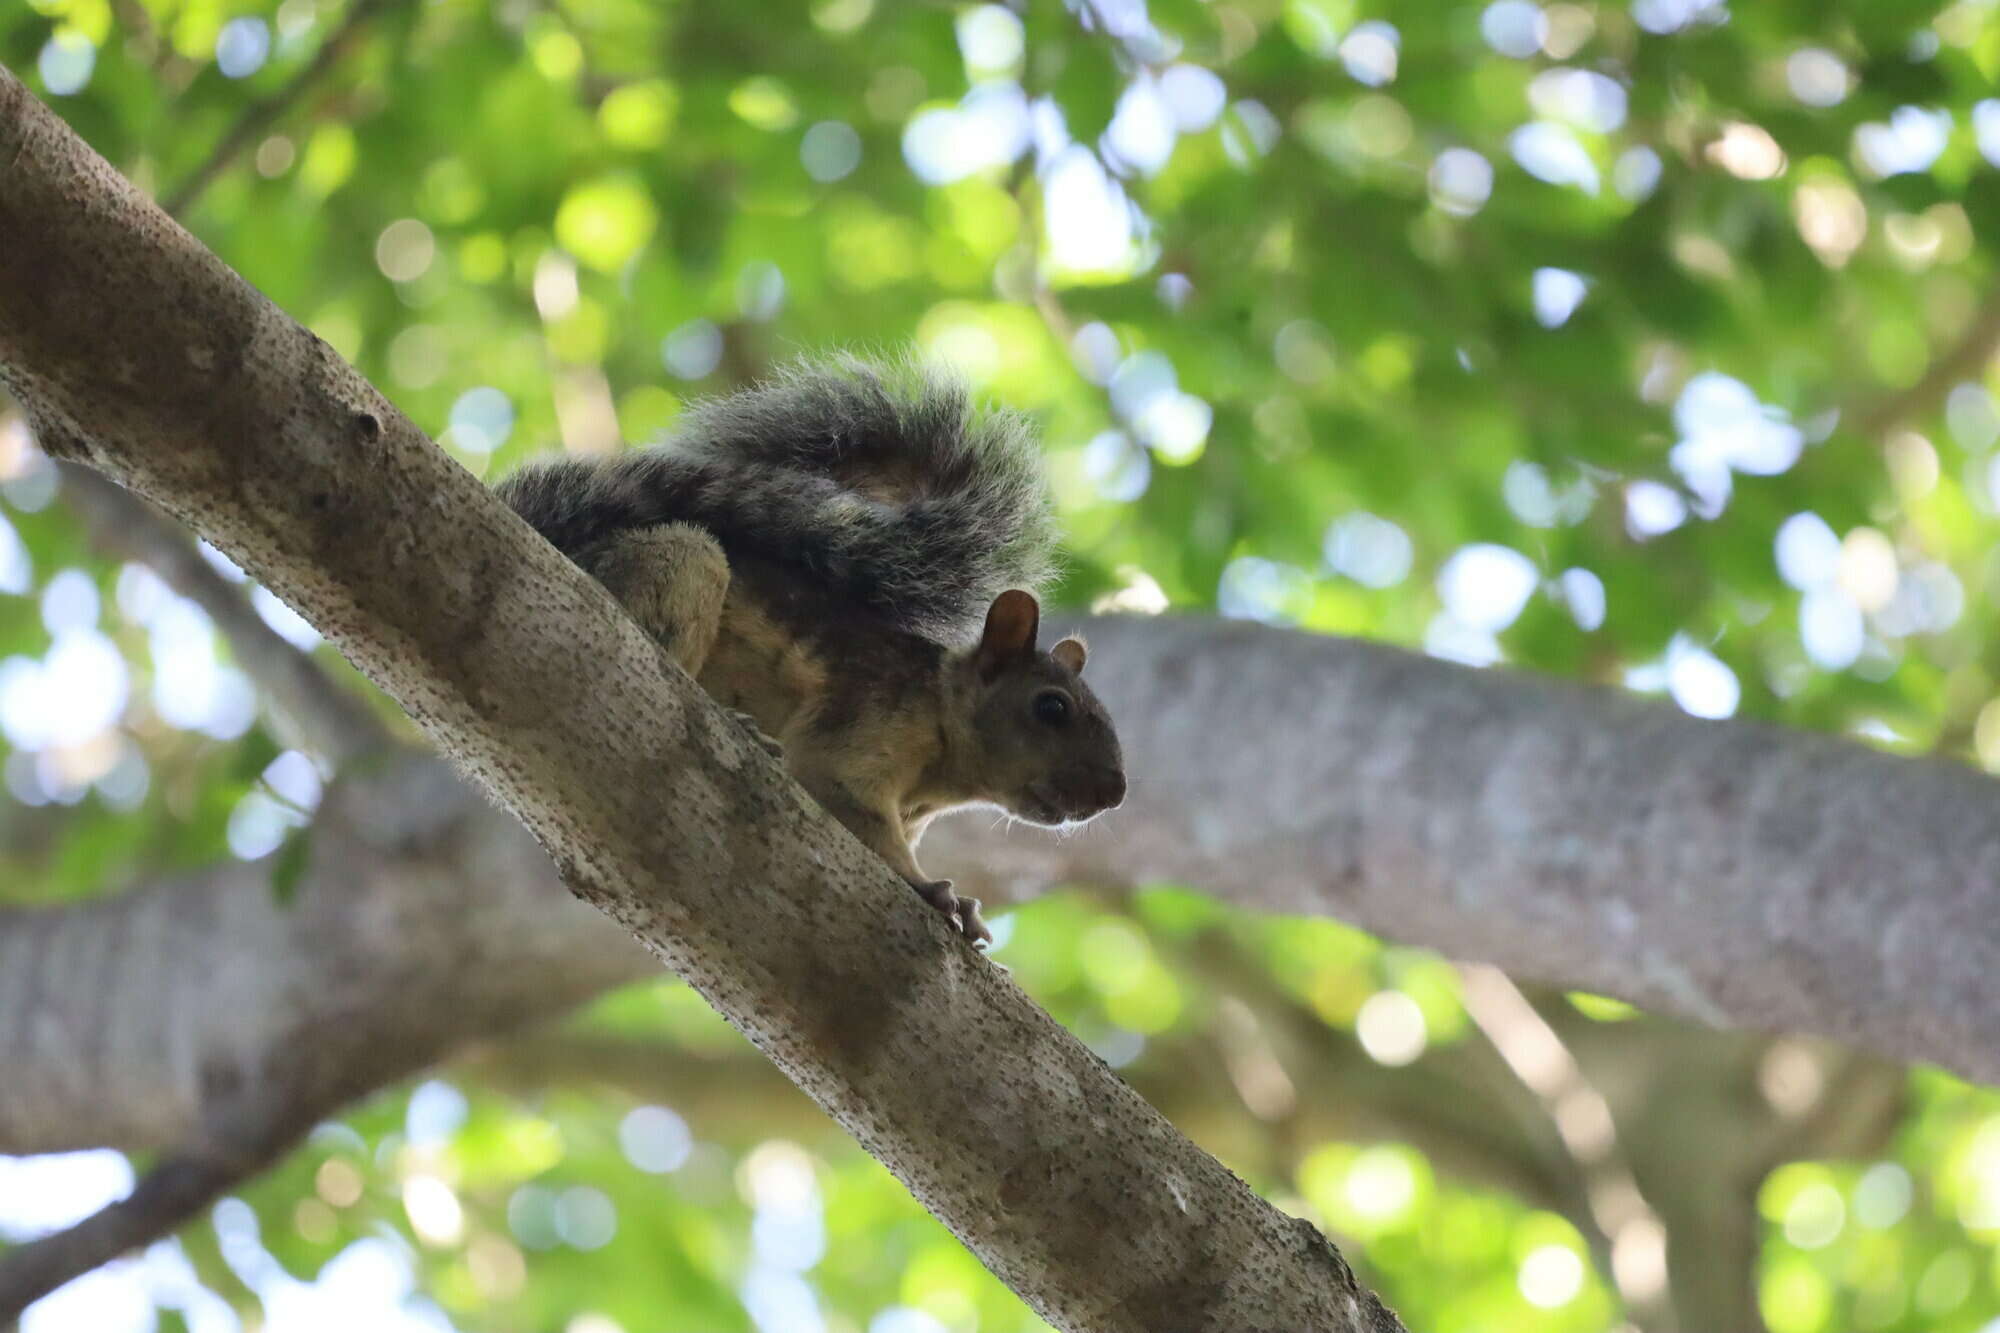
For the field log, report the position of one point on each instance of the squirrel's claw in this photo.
(770, 744)
(971, 924)
(963, 913)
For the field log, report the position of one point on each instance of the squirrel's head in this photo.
(1047, 749)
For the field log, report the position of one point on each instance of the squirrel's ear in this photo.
(1071, 653)
(1011, 624)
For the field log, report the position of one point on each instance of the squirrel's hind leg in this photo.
(673, 579)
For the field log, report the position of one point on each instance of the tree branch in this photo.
(471, 936)
(207, 399)
(333, 721)
(424, 918)
(1728, 872)
(1625, 1234)
(1735, 873)
(168, 1195)
(201, 1018)
(259, 115)
(1437, 1106)
(1963, 360)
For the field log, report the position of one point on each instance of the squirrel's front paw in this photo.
(771, 745)
(963, 913)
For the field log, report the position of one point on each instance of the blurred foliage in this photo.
(1645, 343)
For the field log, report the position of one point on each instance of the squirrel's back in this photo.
(877, 482)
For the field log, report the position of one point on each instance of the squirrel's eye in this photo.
(1052, 708)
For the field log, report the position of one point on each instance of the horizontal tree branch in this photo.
(424, 919)
(1774, 909)
(654, 804)
(1732, 873)
(1440, 1106)
(201, 1018)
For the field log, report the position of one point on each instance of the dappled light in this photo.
(1650, 343)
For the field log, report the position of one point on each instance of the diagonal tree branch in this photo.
(1618, 1218)
(171, 1193)
(210, 401)
(331, 720)
(1732, 873)
(1511, 864)
(1963, 360)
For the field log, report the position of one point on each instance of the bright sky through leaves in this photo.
(1634, 342)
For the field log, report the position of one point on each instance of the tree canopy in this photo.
(1651, 345)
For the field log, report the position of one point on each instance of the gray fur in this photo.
(878, 481)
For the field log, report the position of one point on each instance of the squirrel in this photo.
(847, 557)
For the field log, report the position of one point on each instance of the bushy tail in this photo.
(878, 482)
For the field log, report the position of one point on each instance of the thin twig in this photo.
(168, 1196)
(258, 1126)
(331, 720)
(259, 115)
(1619, 1212)
(1961, 361)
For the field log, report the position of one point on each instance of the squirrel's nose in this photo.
(1111, 788)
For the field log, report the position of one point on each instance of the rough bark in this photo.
(1486, 838)
(1704, 869)
(204, 397)
(464, 906)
